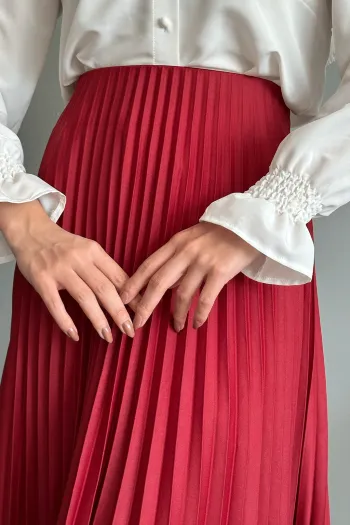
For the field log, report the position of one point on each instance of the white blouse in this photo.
(286, 41)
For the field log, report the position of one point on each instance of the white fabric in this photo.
(288, 43)
(17, 186)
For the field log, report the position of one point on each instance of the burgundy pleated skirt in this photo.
(224, 425)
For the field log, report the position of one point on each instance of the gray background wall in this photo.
(332, 262)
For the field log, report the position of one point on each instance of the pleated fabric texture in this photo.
(224, 425)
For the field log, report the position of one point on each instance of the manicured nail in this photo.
(178, 326)
(124, 297)
(73, 334)
(107, 334)
(197, 324)
(138, 321)
(128, 328)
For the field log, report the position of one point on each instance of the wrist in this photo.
(18, 222)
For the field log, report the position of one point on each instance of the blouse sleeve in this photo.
(309, 177)
(26, 28)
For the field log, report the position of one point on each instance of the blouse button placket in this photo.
(166, 32)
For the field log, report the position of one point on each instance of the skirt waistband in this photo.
(224, 83)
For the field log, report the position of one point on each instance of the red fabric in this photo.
(225, 425)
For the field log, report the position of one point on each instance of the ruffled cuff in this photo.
(17, 186)
(285, 243)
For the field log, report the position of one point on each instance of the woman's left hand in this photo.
(203, 253)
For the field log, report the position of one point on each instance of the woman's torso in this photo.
(287, 42)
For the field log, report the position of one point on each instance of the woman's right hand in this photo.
(52, 259)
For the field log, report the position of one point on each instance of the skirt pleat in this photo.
(224, 425)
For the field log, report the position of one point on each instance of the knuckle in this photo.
(221, 271)
(145, 266)
(156, 282)
(93, 248)
(126, 289)
(182, 296)
(51, 302)
(54, 306)
(191, 248)
(118, 280)
(205, 302)
(142, 309)
(39, 274)
(204, 260)
(76, 257)
(177, 238)
(102, 288)
(41, 266)
(120, 314)
(83, 296)
(44, 290)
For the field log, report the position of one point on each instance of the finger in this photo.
(54, 304)
(115, 274)
(176, 284)
(184, 295)
(145, 271)
(159, 283)
(87, 301)
(208, 295)
(107, 295)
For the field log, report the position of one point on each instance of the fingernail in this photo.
(128, 328)
(73, 334)
(124, 297)
(178, 326)
(197, 324)
(138, 321)
(107, 334)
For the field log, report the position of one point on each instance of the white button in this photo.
(165, 23)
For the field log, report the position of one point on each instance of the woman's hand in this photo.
(203, 253)
(52, 259)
